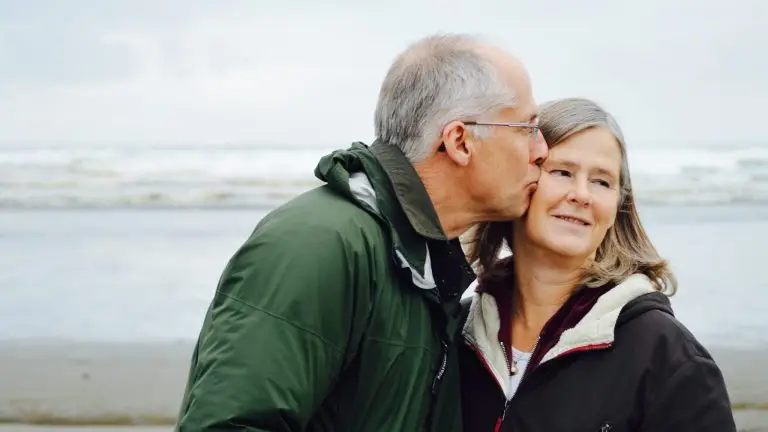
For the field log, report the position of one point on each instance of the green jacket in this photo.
(339, 313)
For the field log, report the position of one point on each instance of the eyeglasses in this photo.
(532, 127)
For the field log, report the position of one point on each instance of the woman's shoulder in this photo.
(650, 324)
(672, 365)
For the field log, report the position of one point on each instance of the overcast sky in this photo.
(308, 72)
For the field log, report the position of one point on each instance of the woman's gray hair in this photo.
(435, 81)
(626, 248)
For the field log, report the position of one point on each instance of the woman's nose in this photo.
(579, 194)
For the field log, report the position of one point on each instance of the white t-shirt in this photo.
(522, 359)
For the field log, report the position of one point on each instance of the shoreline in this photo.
(141, 383)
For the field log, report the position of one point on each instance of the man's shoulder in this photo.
(311, 237)
(318, 215)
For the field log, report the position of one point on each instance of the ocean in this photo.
(130, 275)
(109, 257)
(240, 176)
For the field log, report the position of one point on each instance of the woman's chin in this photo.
(574, 251)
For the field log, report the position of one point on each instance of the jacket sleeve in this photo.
(274, 338)
(694, 398)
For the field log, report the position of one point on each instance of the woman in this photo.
(574, 330)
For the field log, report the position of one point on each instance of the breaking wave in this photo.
(254, 176)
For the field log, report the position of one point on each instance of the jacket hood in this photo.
(336, 167)
(647, 302)
(625, 301)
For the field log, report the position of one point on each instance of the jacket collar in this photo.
(409, 190)
(381, 180)
(593, 328)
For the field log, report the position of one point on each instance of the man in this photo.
(341, 310)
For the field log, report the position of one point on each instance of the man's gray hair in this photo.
(437, 80)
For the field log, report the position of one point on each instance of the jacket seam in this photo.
(384, 341)
(285, 320)
(686, 365)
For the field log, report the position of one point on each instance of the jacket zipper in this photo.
(443, 366)
(506, 356)
(525, 375)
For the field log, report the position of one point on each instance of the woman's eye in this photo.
(560, 173)
(603, 183)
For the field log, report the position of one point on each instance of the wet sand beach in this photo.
(37, 428)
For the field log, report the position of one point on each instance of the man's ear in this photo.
(458, 142)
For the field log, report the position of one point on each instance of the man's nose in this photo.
(539, 150)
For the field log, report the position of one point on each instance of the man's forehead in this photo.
(527, 113)
(516, 77)
(526, 109)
